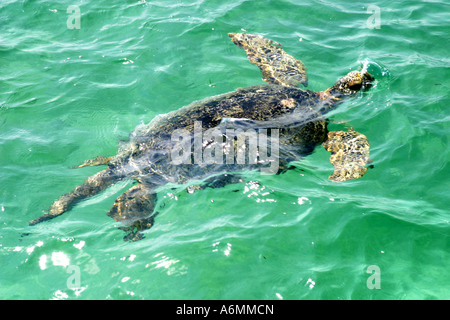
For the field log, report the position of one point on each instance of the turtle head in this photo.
(351, 83)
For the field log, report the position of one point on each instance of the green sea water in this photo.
(71, 88)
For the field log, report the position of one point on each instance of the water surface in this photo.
(67, 95)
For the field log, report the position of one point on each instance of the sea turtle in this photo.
(293, 116)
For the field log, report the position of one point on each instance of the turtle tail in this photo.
(92, 186)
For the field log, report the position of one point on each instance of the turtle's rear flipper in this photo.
(276, 65)
(98, 161)
(92, 186)
(134, 208)
(349, 154)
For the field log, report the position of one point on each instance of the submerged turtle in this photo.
(294, 116)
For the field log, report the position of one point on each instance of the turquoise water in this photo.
(67, 95)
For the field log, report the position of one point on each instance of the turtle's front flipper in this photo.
(134, 209)
(349, 154)
(276, 65)
(98, 161)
